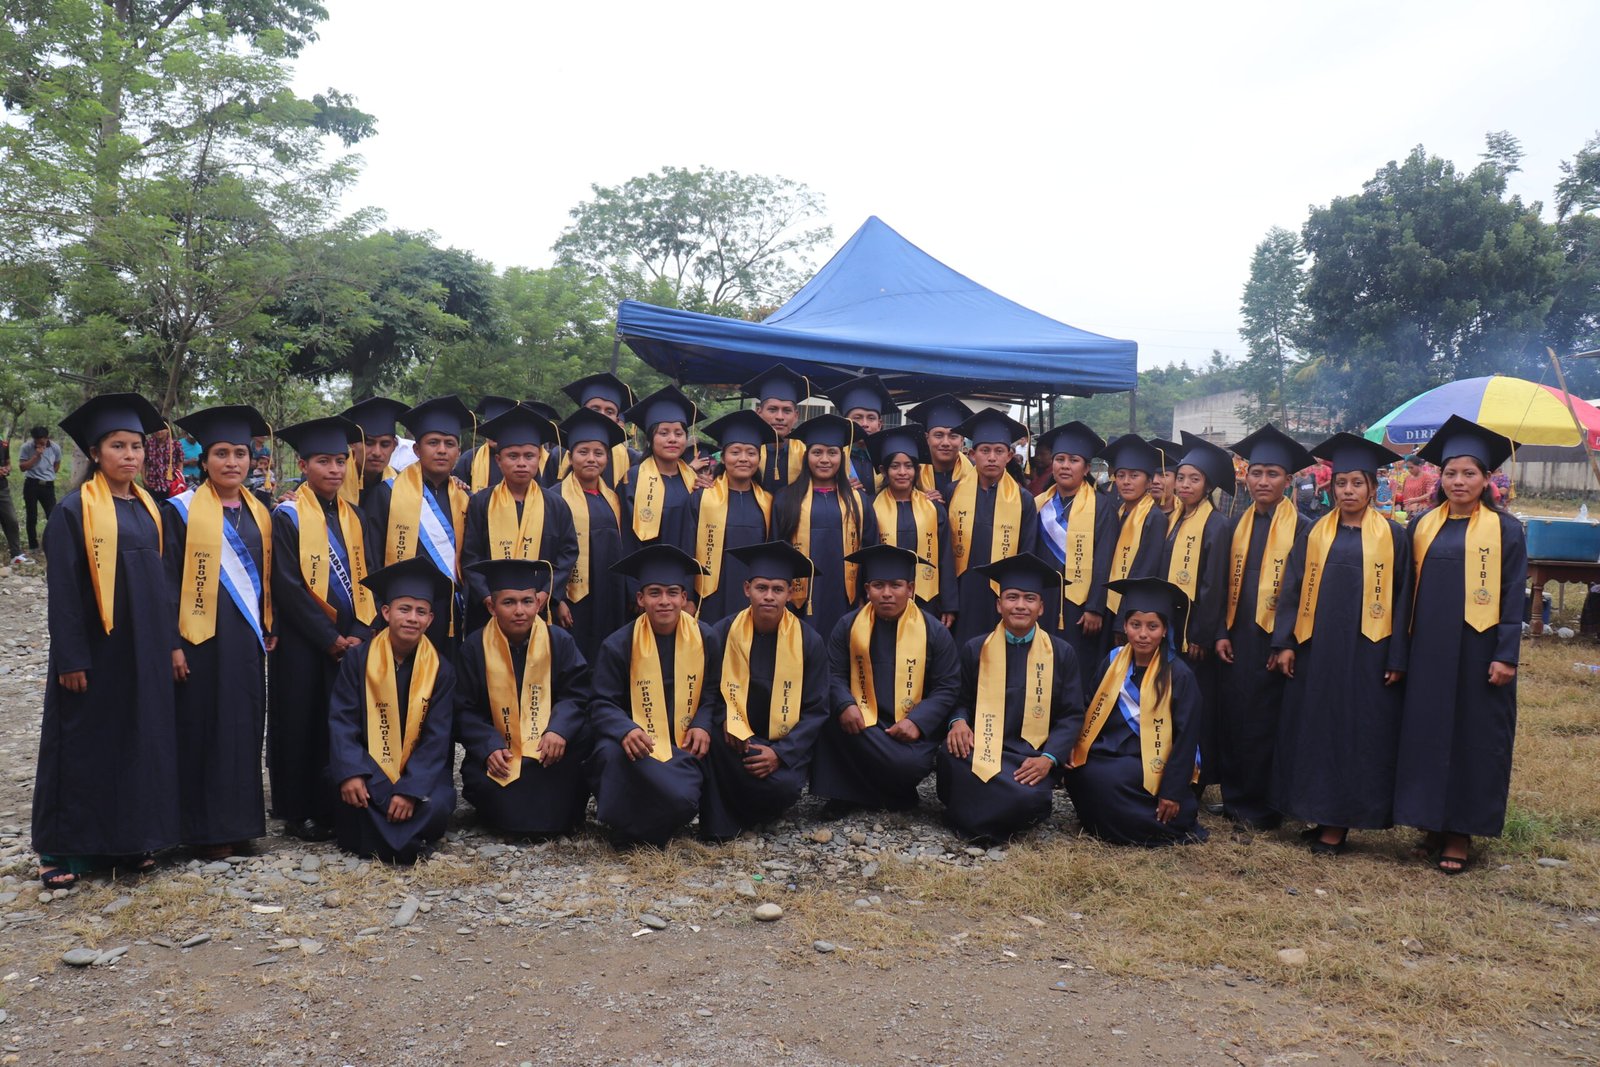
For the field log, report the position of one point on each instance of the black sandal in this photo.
(1320, 847)
(1460, 864)
(54, 878)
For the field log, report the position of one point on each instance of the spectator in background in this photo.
(39, 459)
(1416, 495)
(8, 510)
(191, 461)
(163, 466)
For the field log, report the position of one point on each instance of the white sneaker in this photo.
(19, 558)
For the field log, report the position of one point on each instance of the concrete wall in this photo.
(1211, 417)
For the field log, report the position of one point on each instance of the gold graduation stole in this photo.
(1482, 564)
(1155, 718)
(202, 564)
(910, 649)
(797, 457)
(350, 487)
(926, 521)
(1377, 575)
(650, 497)
(800, 588)
(100, 540)
(1280, 539)
(928, 483)
(648, 699)
(480, 467)
(1079, 546)
(1172, 518)
(1129, 538)
(388, 749)
(711, 532)
(788, 676)
(316, 552)
(1183, 570)
(405, 517)
(511, 537)
(620, 462)
(522, 712)
(578, 585)
(990, 714)
(963, 506)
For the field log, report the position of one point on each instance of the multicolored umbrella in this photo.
(1527, 412)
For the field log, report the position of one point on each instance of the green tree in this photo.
(1274, 321)
(1574, 323)
(1160, 390)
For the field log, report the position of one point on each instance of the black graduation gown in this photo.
(1002, 806)
(829, 600)
(543, 800)
(426, 777)
(221, 709)
(1108, 790)
(733, 799)
(871, 768)
(301, 672)
(775, 468)
(645, 800)
(746, 525)
(445, 637)
(1456, 730)
(1206, 617)
(107, 781)
(1147, 557)
(677, 518)
(369, 494)
(1250, 696)
(598, 615)
(905, 536)
(1340, 725)
(1066, 624)
(558, 545)
(975, 600)
(463, 468)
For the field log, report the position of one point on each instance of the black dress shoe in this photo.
(309, 830)
(1215, 809)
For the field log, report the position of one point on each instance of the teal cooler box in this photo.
(1573, 540)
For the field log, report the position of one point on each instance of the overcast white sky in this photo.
(1111, 168)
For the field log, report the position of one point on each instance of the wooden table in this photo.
(1541, 571)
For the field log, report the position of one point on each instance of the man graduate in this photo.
(1251, 694)
(863, 401)
(522, 700)
(896, 679)
(778, 394)
(369, 458)
(1078, 528)
(773, 699)
(943, 416)
(991, 519)
(1020, 709)
(323, 609)
(655, 690)
(476, 466)
(389, 724)
(517, 519)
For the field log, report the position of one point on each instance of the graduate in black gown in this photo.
(596, 603)
(1078, 529)
(1195, 559)
(911, 519)
(1251, 699)
(368, 466)
(778, 393)
(660, 485)
(733, 512)
(1460, 713)
(322, 610)
(517, 519)
(825, 518)
(1132, 762)
(522, 708)
(943, 416)
(106, 789)
(1341, 639)
(991, 518)
(218, 537)
(772, 700)
(389, 724)
(476, 465)
(655, 691)
(1141, 526)
(1164, 486)
(863, 401)
(422, 511)
(896, 680)
(1020, 708)
(607, 395)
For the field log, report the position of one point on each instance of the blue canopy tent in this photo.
(882, 305)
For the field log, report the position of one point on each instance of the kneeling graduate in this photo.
(774, 698)
(389, 716)
(655, 689)
(1021, 705)
(521, 707)
(896, 680)
(1133, 765)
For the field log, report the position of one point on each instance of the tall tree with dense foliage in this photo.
(1274, 323)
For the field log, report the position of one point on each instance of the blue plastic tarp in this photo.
(883, 305)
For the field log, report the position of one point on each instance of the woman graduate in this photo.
(1021, 705)
(596, 601)
(1341, 639)
(106, 792)
(734, 512)
(1133, 761)
(910, 519)
(1460, 717)
(660, 485)
(1078, 529)
(607, 395)
(389, 723)
(522, 700)
(822, 516)
(219, 564)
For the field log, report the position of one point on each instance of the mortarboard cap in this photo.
(376, 415)
(660, 564)
(1130, 452)
(602, 386)
(778, 383)
(992, 427)
(1351, 452)
(492, 407)
(1463, 437)
(1271, 447)
(867, 392)
(1210, 460)
(667, 404)
(742, 427)
(1024, 571)
(415, 577)
(773, 559)
(234, 424)
(331, 436)
(1168, 454)
(1073, 438)
(909, 438)
(520, 425)
(835, 431)
(501, 574)
(443, 414)
(943, 410)
(585, 425)
(1153, 594)
(886, 563)
(108, 413)
(543, 410)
